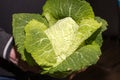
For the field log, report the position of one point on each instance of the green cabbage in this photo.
(65, 38)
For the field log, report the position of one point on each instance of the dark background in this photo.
(108, 67)
(9, 7)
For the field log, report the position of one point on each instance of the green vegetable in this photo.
(65, 38)
(38, 44)
(78, 10)
(18, 23)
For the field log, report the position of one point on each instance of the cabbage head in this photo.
(65, 38)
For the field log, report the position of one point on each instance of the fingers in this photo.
(15, 58)
(12, 57)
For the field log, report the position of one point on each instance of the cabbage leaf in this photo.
(78, 10)
(19, 22)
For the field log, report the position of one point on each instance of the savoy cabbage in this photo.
(65, 38)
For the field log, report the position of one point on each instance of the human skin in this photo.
(13, 57)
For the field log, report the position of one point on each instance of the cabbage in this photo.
(65, 38)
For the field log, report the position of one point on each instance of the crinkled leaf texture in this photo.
(18, 23)
(53, 48)
(38, 44)
(66, 38)
(78, 10)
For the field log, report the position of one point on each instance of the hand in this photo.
(16, 59)
(13, 57)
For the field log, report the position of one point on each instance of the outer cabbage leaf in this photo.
(78, 10)
(19, 22)
(80, 59)
(38, 44)
(97, 36)
(104, 23)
